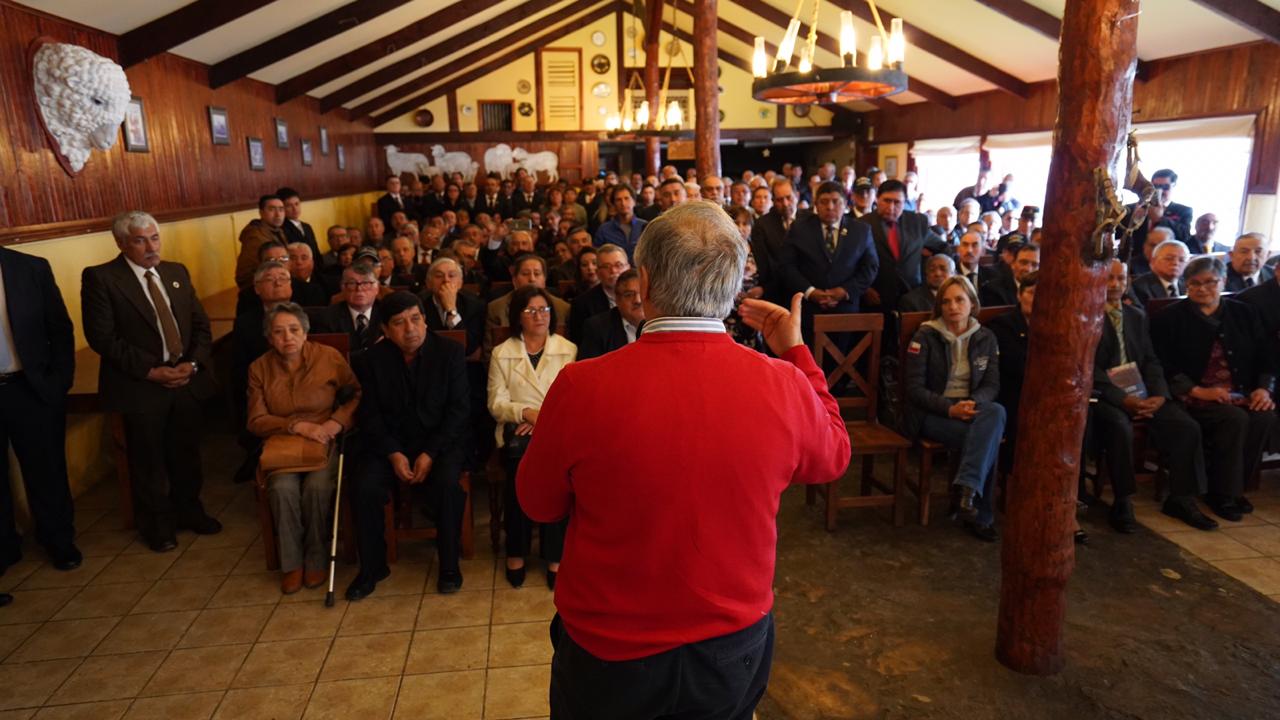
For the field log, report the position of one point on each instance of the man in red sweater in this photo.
(664, 596)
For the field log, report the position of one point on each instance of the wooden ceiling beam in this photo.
(395, 71)
(298, 39)
(1252, 14)
(780, 19)
(1044, 23)
(327, 72)
(943, 50)
(494, 49)
(185, 23)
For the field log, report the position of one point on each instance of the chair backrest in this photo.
(871, 325)
(498, 289)
(566, 288)
(473, 288)
(987, 314)
(338, 341)
(458, 336)
(1155, 305)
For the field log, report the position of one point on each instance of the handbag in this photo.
(513, 445)
(292, 454)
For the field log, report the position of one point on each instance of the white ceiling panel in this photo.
(117, 16)
(984, 34)
(254, 29)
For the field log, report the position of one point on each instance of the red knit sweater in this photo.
(669, 457)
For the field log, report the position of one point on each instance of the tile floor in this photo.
(203, 632)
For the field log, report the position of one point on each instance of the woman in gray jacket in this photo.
(952, 380)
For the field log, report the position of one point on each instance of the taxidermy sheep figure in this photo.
(82, 96)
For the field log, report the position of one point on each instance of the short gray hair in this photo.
(443, 261)
(1167, 232)
(299, 246)
(695, 258)
(290, 308)
(940, 258)
(268, 265)
(1205, 263)
(126, 221)
(610, 248)
(1168, 244)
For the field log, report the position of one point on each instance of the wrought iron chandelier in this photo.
(881, 76)
(670, 118)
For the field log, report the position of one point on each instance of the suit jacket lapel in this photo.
(132, 290)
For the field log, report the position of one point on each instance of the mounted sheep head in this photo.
(82, 98)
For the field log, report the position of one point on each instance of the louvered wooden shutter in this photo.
(562, 89)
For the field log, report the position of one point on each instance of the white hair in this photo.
(1170, 244)
(131, 220)
(299, 246)
(694, 257)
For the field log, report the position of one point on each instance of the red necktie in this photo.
(891, 235)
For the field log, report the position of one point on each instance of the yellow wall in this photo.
(440, 119)
(498, 85)
(591, 105)
(898, 150)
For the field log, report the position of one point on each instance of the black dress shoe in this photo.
(163, 545)
(449, 582)
(1243, 505)
(516, 577)
(1121, 517)
(962, 499)
(68, 558)
(364, 585)
(1224, 507)
(5, 599)
(985, 533)
(551, 579)
(1185, 510)
(201, 525)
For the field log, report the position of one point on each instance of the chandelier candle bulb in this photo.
(674, 115)
(788, 45)
(806, 65)
(875, 55)
(848, 40)
(897, 43)
(759, 59)
(642, 114)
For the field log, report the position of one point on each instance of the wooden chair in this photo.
(565, 288)
(868, 437)
(399, 526)
(473, 288)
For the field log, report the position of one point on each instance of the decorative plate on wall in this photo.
(523, 87)
(800, 110)
(467, 109)
(597, 38)
(424, 118)
(601, 89)
(601, 64)
(525, 109)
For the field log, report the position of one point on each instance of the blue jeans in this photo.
(978, 441)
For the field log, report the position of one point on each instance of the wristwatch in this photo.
(195, 367)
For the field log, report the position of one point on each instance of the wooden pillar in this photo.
(653, 82)
(1095, 98)
(706, 91)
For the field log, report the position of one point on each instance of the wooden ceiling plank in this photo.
(1027, 15)
(185, 23)
(298, 39)
(397, 70)
(1253, 15)
(331, 70)
(479, 71)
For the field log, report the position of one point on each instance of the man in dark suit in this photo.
(407, 273)
(357, 315)
(1005, 288)
(829, 257)
(142, 316)
(412, 417)
(309, 288)
(969, 252)
(936, 270)
(526, 197)
(611, 262)
(1179, 215)
(294, 228)
(392, 202)
(617, 327)
(448, 306)
(1168, 261)
(1125, 340)
(37, 362)
(1246, 268)
(769, 234)
(491, 202)
(900, 240)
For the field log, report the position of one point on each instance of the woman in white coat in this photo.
(521, 371)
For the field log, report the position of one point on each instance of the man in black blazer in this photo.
(617, 327)
(829, 257)
(309, 288)
(142, 316)
(1005, 288)
(294, 228)
(901, 239)
(769, 234)
(1165, 279)
(969, 252)
(413, 418)
(1246, 268)
(449, 307)
(491, 201)
(1126, 340)
(526, 197)
(611, 263)
(357, 315)
(1179, 215)
(392, 202)
(37, 363)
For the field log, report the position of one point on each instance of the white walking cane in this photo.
(344, 396)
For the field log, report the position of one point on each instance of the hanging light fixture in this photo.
(669, 117)
(806, 84)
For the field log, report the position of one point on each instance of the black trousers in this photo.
(1171, 431)
(1233, 440)
(372, 487)
(520, 528)
(164, 464)
(722, 678)
(38, 432)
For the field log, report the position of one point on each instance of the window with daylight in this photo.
(945, 168)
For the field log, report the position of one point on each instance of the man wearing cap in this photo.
(863, 198)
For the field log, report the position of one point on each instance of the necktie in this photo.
(1248, 282)
(1170, 290)
(786, 224)
(362, 322)
(891, 235)
(973, 279)
(1116, 315)
(831, 239)
(168, 326)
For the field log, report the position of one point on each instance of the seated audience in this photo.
(1203, 240)
(967, 213)
(944, 222)
(618, 326)
(273, 251)
(1216, 357)
(1005, 288)
(611, 262)
(336, 236)
(413, 418)
(1246, 268)
(294, 408)
(1165, 279)
(309, 289)
(272, 286)
(374, 233)
(263, 229)
(952, 379)
(936, 269)
(356, 312)
(529, 269)
(407, 273)
(862, 201)
(448, 306)
(623, 228)
(969, 249)
(520, 374)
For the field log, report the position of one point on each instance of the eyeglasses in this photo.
(1202, 284)
(619, 266)
(361, 285)
(532, 311)
(1161, 186)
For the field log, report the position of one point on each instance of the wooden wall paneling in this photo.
(184, 170)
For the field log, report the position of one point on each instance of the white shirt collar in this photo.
(368, 314)
(631, 330)
(138, 270)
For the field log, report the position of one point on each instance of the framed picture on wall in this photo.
(257, 154)
(135, 127)
(342, 157)
(282, 133)
(306, 153)
(324, 141)
(219, 127)
(891, 166)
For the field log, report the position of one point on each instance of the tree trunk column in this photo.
(1095, 79)
(706, 91)
(653, 83)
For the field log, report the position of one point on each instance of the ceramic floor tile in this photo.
(448, 649)
(287, 662)
(226, 626)
(407, 578)
(35, 605)
(237, 535)
(106, 543)
(112, 710)
(17, 573)
(1263, 538)
(205, 563)
(26, 714)
(441, 696)
(528, 604)
(199, 706)
(64, 639)
(1267, 509)
(517, 692)
(140, 546)
(295, 621)
(380, 615)
(147, 631)
(266, 703)
(1157, 521)
(1213, 545)
(47, 577)
(251, 560)
(179, 594)
(345, 699)
(477, 574)
(30, 684)
(461, 609)
(256, 589)
(11, 636)
(135, 568)
(1261, 574)
(519, 644)
(103, 600)
(366, 656)
(197, 670)
(110, 677)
